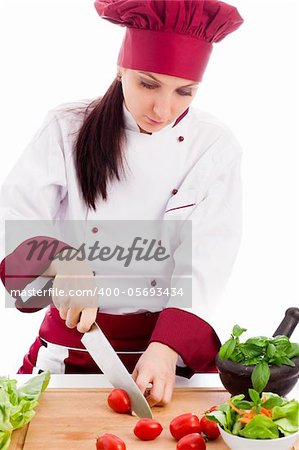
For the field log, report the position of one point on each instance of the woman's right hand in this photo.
(74, 293)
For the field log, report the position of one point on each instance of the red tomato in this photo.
(213, 408)
(193, 441)
(209, 428)
(147, 429)
(119, 401)
(110, 442)
(184, 424)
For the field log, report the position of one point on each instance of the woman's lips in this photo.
(153, 122)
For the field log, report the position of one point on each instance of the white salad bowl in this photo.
(241, 443)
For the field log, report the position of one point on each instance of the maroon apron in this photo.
(129, 335)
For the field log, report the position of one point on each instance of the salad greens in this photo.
(268, 416)
(261, 352)
(17, 404)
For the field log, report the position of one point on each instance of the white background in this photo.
(60, 50)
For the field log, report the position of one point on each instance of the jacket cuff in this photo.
(191, 337)
(23, 266)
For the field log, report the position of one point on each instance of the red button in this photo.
(181, 138)
(94, 230)
(174, 191)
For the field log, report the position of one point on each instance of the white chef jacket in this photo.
(199, 157)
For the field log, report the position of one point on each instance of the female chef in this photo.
(140, 152)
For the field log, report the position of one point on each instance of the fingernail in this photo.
(147, 392)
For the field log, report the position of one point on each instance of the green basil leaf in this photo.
(243, 404)
(250, 350)
(254, 395)
(271, 350)
(260, 376)
(280, 340)
(237, 331)
(257, 409)
(260, 341)
(284, 348)
(293, 351)
(237, 398)
(278, 361)
(227, 349)
(281, 351)
(237, 356)
(282, 343)
(273, 401)
(252, 361)
(288, 362)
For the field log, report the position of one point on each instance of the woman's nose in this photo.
(162, 108)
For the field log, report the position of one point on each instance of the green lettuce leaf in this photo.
(17, 404)
(32, 389)
(5, 408)
(218, 417)
(286, 417)
(273, 400)
(5, 438)
(260, 427)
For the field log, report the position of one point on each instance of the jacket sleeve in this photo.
(30, 198)
(187, 323)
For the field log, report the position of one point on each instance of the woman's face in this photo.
(155, 100)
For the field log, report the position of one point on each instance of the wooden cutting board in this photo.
(73, 418)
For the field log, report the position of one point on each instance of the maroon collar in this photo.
(180, 117)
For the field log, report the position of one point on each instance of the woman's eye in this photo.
(148, 86)
(185, 93)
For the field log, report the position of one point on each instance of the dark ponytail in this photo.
(98, 149)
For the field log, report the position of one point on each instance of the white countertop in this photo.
(97, 381)
(207, 380)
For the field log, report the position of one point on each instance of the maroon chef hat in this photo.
(172, 37)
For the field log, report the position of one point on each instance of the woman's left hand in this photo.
(156, 366)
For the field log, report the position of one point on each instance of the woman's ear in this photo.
(119, 75)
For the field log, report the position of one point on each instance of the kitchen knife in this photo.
(108, 361)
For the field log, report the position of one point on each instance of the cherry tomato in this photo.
(209, 428)
(119, 401)
(213, 408)
(193, 441)
(184, 424)
(110, 442)
(147, 429)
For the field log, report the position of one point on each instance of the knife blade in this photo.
(110, 364)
